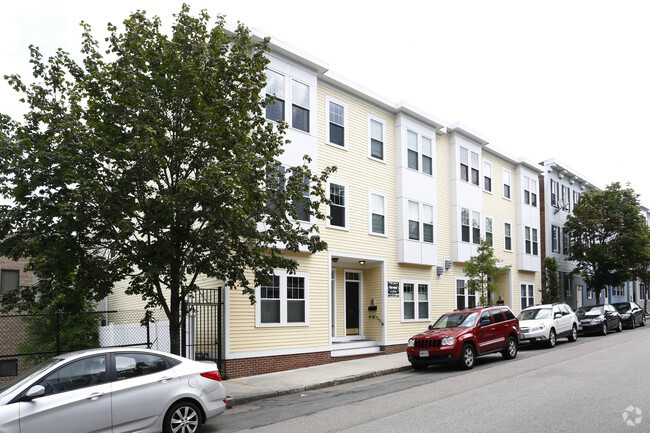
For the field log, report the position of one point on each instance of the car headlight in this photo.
(596, 320)
(625, 316)
(538, 328)
(448, 341)
(411, 342)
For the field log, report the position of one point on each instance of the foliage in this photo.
(481, 270)
(151, 162)
(551, 281)
(609, 240)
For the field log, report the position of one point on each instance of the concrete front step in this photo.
(355, 348)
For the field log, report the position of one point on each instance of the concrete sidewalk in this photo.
(243, 390)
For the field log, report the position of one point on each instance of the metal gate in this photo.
(202, 331)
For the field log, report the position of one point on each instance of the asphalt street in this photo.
(598, 384)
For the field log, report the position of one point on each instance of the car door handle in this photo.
(165, 379)
(94, 396)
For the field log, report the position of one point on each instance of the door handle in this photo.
(164, 379)
(94, 396)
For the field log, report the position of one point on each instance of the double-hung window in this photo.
(487, 176)
(535, 242)
(427, 223)
(506, 183)
(489, 235)
(527, 295)
(302, 205)
(526, 190)
(464, 224)
(528, 241)
(476, 227)
(414, 220)
(576, 197)
(475, 170)
(338, 214)
(283, 300)
(555, 192)
(566, 198)
(507, 236)
(427, 155)
(275, 87)
(336, 119)
(464, 164)
(412, 149)
(377, 213)
(555, 239)
(376, 129)
(566, 243)
(465, 296)
(415, 304)
(533, 192)
(300, 105)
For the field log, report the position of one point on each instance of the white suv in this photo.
(547, 323)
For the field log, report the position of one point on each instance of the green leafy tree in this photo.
(481, 270)
(152, 162)
(551, 281)
(609, 239)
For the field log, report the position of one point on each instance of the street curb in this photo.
(238, 401)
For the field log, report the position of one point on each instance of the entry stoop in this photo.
(355, 348)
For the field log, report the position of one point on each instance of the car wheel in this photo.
(510, 352)
(183, 417)
(574, 334)
(604, 330)
(643, 320)
(619, 328)
(467, 357)
(418, 366)
(633, 325)
(552, 338)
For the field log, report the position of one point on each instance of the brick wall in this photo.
(271, 364)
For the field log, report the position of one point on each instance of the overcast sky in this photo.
(567, 79)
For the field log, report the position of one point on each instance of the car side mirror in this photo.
(35, 391)
(484, 322)
(558, 315)
(430, 327)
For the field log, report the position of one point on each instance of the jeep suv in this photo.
(548, 322)
(462, 335)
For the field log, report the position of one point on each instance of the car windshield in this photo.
(26, 376)
(535, 314)
(590, 311)
(456, 320)
(623, 307)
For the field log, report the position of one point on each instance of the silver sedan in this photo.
(113, 390)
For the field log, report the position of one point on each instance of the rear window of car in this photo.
(508, 313)
(498, 316)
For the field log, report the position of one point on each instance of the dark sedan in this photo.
(631, 314)
(599, 319)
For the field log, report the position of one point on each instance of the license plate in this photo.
(424, 353)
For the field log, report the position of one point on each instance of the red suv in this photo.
(463, 335)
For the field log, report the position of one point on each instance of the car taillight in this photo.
(214, 375)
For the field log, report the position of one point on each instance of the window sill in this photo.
(337, 146)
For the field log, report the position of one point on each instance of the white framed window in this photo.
(506, 177)
(476, 227)
(527, 295)
(465, 296)
(9, 280)
(566, 198)
(487, 176)
(338, 210)
(302, 205)
(299, 105)
(337, 120)
(475, 168)
(617, 291)
(533, 192)
(283, 301)
(535, 242)
(576, 198)
(412, 149)
(464, 164)
(464, 224)
(555, 192)
(590, 292)
(414, 220)
(427, 155)
(275, 84)
(415, 300)
(527, 239)
(507, 236)
(427, 223)
(526, 190)
(566, 243)
(377, 214)
(376, 129)
(489, 234)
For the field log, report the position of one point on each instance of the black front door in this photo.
(352, 308)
